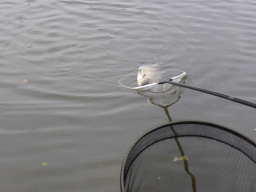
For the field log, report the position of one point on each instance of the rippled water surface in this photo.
(66, 123)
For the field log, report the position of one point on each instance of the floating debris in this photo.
(183, 158)
(43, 163)
(22, 80)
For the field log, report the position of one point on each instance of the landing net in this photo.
(130, 81)
(190, 156)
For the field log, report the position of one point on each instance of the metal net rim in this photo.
(214, 125)
(182, 75)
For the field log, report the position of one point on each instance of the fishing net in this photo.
(130, 81)
(190, 156)
(158, 94)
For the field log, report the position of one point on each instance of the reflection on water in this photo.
(164, 100)
(61, 103)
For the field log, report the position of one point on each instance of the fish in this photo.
(148, 74)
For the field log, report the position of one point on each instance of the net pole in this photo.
(234, 99)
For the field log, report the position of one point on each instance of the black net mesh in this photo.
(190, 156)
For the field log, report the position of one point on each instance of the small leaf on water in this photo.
(43, 163)
(175, 159)
(24, 81)
(184, 158)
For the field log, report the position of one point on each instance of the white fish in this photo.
(148, 74)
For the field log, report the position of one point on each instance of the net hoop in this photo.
(219, 133)
(176, 78)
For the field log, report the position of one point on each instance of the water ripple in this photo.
(60, 66)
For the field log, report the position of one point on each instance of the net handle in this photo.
(234, 99)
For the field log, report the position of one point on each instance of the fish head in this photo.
(148, 74)
(143, 82)
(142, 77)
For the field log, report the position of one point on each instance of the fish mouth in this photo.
(143, 82)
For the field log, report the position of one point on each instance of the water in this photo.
(66, 123)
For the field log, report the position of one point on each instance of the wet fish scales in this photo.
(148, 74)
